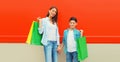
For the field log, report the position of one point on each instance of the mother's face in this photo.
(52, 12)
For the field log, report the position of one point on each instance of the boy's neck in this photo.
(71, 28)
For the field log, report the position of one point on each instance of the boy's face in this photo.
(72, 24)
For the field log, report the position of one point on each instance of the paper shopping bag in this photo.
(82, 48)
(34, 38)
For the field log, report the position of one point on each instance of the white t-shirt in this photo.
(71, 43)
(52, 32)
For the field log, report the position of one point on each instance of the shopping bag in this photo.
(34, 38)
(82, 48)
(28, 41)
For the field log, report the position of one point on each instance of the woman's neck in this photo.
(50, 19)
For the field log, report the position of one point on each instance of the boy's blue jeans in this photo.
(72, 57)
(50, 52)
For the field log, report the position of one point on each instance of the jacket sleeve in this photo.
(63, 38)
(79, 34)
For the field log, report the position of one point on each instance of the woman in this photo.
(50, 40)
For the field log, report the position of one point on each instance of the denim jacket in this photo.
(76, 35)
(44, 30)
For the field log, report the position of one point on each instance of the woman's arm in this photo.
(60, 47)
(58, 37)
(40, 25)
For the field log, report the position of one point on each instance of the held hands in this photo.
(59, 49)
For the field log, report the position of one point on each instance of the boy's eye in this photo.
(72, 23)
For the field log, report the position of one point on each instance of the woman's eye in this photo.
(53, 11)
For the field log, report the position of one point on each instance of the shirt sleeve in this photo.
(41, 30)
(58, 37)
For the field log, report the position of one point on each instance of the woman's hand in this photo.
(39, 19)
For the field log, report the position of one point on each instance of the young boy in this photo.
(69, 41)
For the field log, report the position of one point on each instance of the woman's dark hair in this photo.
(73, 18)
(54, 19)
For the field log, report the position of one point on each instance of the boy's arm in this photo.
(63, 41)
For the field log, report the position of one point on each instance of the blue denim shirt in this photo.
(44, 30)
(77, 34)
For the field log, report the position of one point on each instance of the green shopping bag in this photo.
(34, 38)
(82, 48)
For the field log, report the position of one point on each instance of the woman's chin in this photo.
(52, 15)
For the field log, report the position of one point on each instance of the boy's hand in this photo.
(81, 31)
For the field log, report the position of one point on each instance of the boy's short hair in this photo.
(73, 18)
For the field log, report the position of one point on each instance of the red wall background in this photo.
(100, 19)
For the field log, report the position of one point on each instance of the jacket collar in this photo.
(73, 29)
